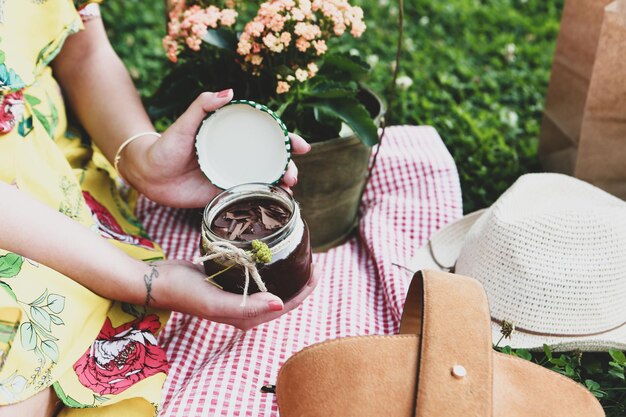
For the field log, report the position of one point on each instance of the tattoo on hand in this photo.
(147, 279)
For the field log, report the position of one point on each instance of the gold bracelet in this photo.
(118, 154)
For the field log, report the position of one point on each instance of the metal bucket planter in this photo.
(330, 183)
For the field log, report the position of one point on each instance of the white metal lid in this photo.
(243, 142)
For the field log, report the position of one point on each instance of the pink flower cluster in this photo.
(187, 26)
(299, 29)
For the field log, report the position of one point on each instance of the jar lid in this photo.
(243, 142)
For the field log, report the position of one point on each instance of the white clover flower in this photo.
(509, 117)
(404, 82)
(509, 52)
(424, 20)
(409, 45)
(510, 48)
(372, 60)
(383, 3)
(355, 52)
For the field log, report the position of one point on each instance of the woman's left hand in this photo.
(166, 169)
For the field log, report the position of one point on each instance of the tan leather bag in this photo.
(440, 365)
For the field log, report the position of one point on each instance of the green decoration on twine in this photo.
(261, 253)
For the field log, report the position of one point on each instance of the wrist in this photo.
(151, 284)
(133, 163)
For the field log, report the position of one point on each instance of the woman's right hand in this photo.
(182, 286)
(166, 170)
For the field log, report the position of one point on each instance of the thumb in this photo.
(259, 304)
(188, 122)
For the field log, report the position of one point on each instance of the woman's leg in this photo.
(44, 404)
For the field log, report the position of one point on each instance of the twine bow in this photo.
(227, 253)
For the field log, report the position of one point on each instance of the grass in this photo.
(479, 71)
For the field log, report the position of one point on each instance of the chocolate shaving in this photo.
(233, 223)
(235, 234)
(277, 210)
(220, 222)
(250, 219)
(268, 221)
(237, 215)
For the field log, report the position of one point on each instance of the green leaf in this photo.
(32, 100)
(56, 320)
(8, 289)
(354, 114)
(39, 299)
(507, 350)
(619, 374)
(10, 265)
(524, 354)
(99, 398)
(25, 126)
(28, 337)
(594, 387)
(548, 352)
(44, 122)
(41, 317)
(56, 303)
(54, 115)
(331, 89)
(51, 350)
(618, 356)
(221, 38)
(327, 119)
(40, 356)
(43, 52)
(67, 400)
(343, 66)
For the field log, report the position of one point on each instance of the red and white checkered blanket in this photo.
(217, 370)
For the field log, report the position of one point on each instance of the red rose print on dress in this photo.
(108, 227)
(11, 108)
(122, 356)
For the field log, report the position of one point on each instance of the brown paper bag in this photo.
(584, 126)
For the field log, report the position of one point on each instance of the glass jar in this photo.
(290, 267)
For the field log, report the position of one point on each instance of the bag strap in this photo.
(454, 371)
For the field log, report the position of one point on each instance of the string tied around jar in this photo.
(227, 253)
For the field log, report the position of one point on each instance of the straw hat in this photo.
(551, 255)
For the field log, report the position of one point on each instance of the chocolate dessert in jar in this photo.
(263, 222)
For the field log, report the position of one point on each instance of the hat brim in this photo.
(444, 246)
(615, 339)
(441, 253)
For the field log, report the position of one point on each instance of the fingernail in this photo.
(309, 147)
(275, 305)
(224, 93)
(295, 182)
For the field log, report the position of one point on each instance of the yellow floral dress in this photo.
(101, 357)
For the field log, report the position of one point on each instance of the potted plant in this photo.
(283, 53)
